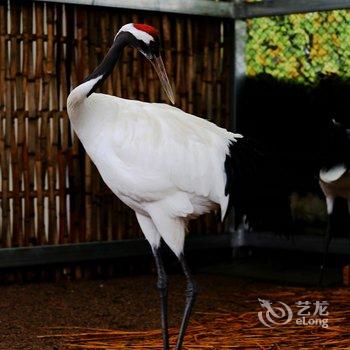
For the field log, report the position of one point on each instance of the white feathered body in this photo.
(165, 164)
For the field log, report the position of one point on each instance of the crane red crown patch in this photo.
(146, 28)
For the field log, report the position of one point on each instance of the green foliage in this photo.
(300, 47)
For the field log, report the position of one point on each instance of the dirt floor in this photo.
(131, 303)
(28, 311)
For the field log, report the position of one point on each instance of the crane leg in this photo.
(326, 249)
(191, 292)
(162, 286)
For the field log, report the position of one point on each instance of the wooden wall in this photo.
(50, 192)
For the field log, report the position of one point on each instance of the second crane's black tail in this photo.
(243, 167)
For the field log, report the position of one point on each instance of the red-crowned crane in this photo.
(167, 165)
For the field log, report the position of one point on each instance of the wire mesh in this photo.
(300, 47)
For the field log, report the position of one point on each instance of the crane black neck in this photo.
(105, 68)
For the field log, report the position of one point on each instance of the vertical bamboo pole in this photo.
(5, 204)
(52, 124)
(190, 64)
(25, 155)
(10, 124)
(17, 145)
(44, 132)
(40, 144)
(78, 72)
(64, 134)
(32, 125)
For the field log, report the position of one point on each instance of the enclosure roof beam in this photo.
(238, 9)
(188, 7)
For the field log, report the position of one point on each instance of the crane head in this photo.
(145, 39)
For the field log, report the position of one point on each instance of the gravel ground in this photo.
(124, 303)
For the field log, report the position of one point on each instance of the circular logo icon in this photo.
(280, 314)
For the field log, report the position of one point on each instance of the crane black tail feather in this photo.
(242, 166)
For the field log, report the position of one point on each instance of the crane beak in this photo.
(158, 65)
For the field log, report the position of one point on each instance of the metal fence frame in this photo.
(24, 257)
(237, 11)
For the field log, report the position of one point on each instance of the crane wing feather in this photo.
(187, 151)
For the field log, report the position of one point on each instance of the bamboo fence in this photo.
(50, 191)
